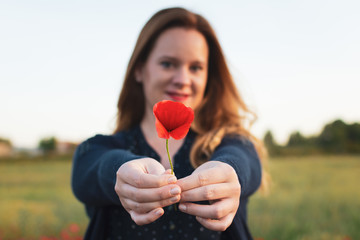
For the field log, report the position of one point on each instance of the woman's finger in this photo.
(144, 195)
(147, 207)
(209, 192)
(146, 218)
(201, 178)
(139, 179)
(216, 225)
(217, 210)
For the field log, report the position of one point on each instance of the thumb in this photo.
(154, 167)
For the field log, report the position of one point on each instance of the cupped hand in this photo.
(144, 188)
(216, 182)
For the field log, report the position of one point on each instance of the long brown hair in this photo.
(222, 111)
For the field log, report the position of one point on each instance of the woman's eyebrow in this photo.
(168, 58)
(175, 59)
(199, 62)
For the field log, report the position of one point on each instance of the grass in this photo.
(311, 198)
(36, 200)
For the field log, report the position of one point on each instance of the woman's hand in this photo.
(218, 183)
(144, 188)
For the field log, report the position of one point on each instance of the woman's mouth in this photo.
(178, 97)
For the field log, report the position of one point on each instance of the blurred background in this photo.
(295, 62)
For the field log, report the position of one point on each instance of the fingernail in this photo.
(158, 212)
(175, 191)
(172, 180)
(182, 207)
(174, 199)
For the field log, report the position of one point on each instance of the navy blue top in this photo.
(97, 160)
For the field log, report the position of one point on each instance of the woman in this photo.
(122, 178)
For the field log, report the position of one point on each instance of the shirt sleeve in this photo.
(242, 156)
(95, 164)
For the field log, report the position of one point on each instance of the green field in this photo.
(311, 198)
(36, 200)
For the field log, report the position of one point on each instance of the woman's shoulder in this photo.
(240, 142)
(116, 140)
(100, 139)
(237, 139)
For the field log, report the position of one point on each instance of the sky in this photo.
(296, 63)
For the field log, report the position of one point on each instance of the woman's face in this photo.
(176, 69)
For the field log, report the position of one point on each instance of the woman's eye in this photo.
(195, 68)
(166, 64)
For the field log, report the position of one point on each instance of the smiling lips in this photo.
(179, 97)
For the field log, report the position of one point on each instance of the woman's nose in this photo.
(182, 77)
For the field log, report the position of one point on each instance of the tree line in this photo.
(48, 146)
(336, 137)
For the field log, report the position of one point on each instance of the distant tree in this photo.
(5, 141)
(296, 139)
(270, 144)
(47, 145)
(336, 137)
(333, 137)
(269, 139)
(353, 132)
(353, 138)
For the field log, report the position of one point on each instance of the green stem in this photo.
(167, 149)
(171, 166)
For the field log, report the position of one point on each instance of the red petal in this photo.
(180, 132)
(174, 117)
(161, 131)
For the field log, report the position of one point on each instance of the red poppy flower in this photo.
(173, 119)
